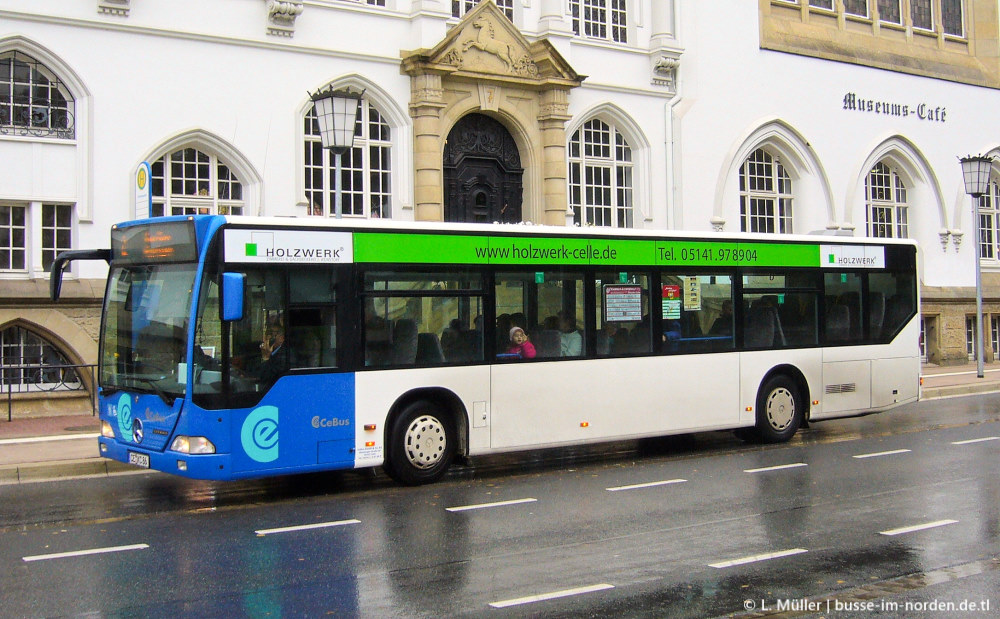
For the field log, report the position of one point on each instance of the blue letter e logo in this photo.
(260, 434)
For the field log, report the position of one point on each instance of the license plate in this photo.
(138, 459)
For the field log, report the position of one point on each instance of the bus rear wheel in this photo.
(421, 444)
(779, 410)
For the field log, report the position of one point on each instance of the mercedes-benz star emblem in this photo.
(137, 430)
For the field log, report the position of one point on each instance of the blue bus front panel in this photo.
(304, 423)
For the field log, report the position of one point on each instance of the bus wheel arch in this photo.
(424, 418)
(782, 404)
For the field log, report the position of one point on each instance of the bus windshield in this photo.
(145, 330)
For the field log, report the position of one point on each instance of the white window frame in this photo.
(890, 201)
(460, 7)
(373, 133)
(989, 220)
(613, 30)
(600, 182)
(199, 193)
(777, 192)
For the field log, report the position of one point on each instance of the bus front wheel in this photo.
(779, 410)
(421, 444)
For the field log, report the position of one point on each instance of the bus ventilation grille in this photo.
(845, 388)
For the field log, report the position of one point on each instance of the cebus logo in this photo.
(259, 434)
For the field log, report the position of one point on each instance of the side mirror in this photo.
(233, 285)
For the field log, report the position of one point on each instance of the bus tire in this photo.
(780, 409)
(421, 444)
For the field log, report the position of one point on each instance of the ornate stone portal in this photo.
(486, 66)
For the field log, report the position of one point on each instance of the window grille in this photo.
(21, 347)
(57, 231)
(600, 176)
(886, 198)
(989, 219)
(32, 100)
(13, 229)
(765, 195)
(191, 182)
(461, 7)
(366, 173)
(600, 19)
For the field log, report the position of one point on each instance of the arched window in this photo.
(191, 182)
(600, 176)
(28, 359)
(885, 196)
(365, 169)
(461, 7)
(765, 194)
(33, 101)
(989, 220)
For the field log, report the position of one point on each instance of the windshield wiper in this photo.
(166, 397)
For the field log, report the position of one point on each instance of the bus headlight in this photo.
(106, 430)
(192, 445)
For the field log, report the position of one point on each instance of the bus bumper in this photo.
(199, 466)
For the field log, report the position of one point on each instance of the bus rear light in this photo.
(106, 430)
(370, 444)
(192, 445)
(369, 427)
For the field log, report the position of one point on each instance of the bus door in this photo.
(292, 403)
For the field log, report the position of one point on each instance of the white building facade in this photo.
(766, 116)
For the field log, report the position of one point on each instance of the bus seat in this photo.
(760, 323)
(838, 323)
(547, 343)
(429, 349)
(638, 340)
(404, 342)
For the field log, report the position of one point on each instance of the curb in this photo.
(64, 469)
(950, 391)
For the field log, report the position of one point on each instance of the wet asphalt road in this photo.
(894, 515)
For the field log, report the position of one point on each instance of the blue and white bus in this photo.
(237, 347)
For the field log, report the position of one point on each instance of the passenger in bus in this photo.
(723, 325)
(571, 344)
(519, 344)
(274, 356)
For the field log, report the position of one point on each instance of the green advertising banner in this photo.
(413, 248)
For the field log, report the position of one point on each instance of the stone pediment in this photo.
(486, 45)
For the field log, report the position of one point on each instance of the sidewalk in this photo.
(66, 446)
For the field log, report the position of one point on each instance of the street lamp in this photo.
(337, 112)
(976, 172)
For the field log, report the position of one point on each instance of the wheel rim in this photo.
(425, 441)
(780, 408)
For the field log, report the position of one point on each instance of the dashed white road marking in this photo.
(881, 453)
(306, 527)
(551, 596)
(465, 508)
(82, 553)
(775, 468)
(767, 556)
(918, 527)
(977, 440)
(650, 484)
